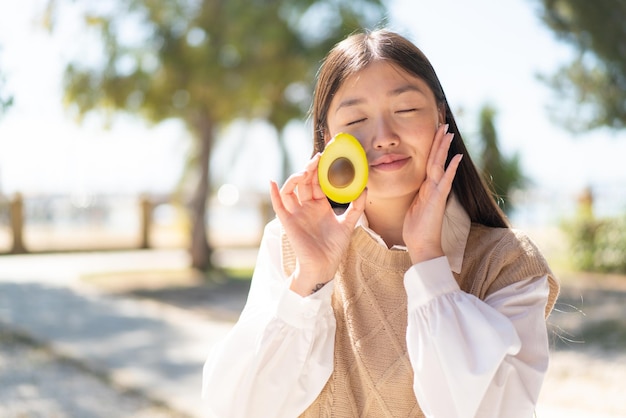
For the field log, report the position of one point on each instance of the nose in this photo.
(385, 135)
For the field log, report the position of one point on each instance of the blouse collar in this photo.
(454, 233)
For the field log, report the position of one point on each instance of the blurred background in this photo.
(154, 127)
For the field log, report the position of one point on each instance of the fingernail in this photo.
(451, 137)
(445, 128)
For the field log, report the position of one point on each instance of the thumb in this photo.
(355, 209)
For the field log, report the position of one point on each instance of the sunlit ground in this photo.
(587, 328)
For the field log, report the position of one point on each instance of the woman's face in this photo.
(394, 115)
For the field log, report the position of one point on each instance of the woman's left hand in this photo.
(424, 219)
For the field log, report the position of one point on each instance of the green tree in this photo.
(6, 99)
(502, 173)
(208, 62)
(594, 83)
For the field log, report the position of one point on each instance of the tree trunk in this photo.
(145, 208)
(200, 250)
(17, 224)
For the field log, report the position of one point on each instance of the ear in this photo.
(325, 138)
(441, 110)
(319, 142)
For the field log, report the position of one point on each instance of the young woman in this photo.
(418, 300)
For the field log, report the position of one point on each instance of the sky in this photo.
(484, 51)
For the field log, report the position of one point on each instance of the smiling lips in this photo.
(389, 162)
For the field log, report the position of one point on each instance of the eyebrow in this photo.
(395, 92)
(405, 88)
(348, 103)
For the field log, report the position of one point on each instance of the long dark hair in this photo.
(359, 50)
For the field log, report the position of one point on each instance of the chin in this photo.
(392, 192)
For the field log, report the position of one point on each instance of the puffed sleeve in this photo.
(279, 355)
(474, 358)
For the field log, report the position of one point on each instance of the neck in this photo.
(386, 218)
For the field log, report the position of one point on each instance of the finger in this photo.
(291, 183)
(313, 162)
(439, 134)
(433, 170)
(277, 201)
(305, 188)
(318, 193)
(438, 163)
(442, 155)
(355, 209)
(448, 177)
(288, 191)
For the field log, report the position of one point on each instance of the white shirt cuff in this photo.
(302, 312)
(428, 280)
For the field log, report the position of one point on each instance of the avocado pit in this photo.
(341, 172)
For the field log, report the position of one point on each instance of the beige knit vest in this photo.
(372, 375)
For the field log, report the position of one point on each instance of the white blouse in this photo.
(471, 358)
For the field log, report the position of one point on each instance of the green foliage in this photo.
(502, 173)
(213, 59)
(594, 83)
(6, 99)
(207, 63)
(597, 245)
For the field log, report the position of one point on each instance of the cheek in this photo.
(422, 124)
(420, 137)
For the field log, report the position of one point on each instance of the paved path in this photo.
(38, 382)
(158, 349)
(155, 348)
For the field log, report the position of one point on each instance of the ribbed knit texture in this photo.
(372, 375)
(497, 257)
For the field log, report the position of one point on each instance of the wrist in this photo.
(307, 285)
(424, 254)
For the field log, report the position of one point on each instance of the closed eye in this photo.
(407, 110)
(354, 122)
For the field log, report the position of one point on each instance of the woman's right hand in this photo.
(317, 235)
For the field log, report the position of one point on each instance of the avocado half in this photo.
(343, 169)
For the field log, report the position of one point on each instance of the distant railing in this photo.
(89, 222)
(49, 223)
(45, 223)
